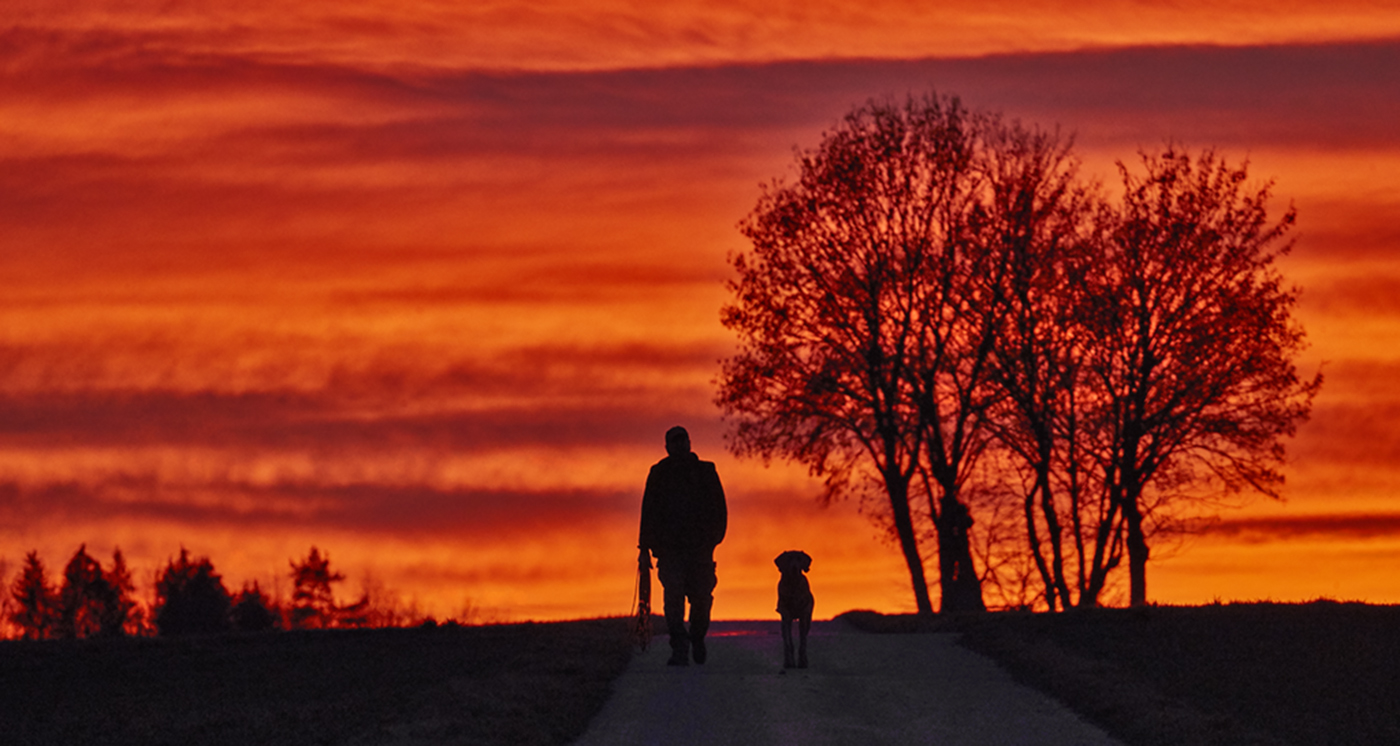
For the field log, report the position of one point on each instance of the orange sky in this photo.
(424, 284)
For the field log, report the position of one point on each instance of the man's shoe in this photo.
(678, 658)
(698, 650)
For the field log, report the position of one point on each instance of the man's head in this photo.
(677, 441)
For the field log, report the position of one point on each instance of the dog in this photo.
(795, 601)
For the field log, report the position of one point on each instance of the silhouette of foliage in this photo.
(828, 303)
(36, 600)
(1045, 429)
(190, 598)
(1194, 341)
(938, 305)
(253, 611)
(869, 303)
(1146, 357)
(126, 615)
(357, 615)
(88, 604)
(313, 600)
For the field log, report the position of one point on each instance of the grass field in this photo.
(1301, 674)
(509, 684)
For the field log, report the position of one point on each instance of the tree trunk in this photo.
(1033, 538)
(962, 589)
(1056, 538)
(898, 489)
(1137, 553)
(1106, 554)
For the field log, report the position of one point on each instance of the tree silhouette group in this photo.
(91, 601)
(190, 598)
(940, 314)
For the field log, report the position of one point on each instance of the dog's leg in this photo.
(804, 624)
(788, 660)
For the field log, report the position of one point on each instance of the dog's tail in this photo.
(641, 602)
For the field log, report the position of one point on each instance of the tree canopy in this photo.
(1193, 340)
(938, 302)
(191, 598)
(313, 599)
(840, 306)
(35, 599)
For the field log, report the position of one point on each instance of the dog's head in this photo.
(793, 561)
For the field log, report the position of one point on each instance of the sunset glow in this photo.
(424, 284)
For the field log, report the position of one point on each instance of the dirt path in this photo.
(861, 689)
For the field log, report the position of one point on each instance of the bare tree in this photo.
(1018, 200)
(938, 288)
(865, 315)
(828, 305)
(1193, 342)
(1047, 218)
(1146, 354)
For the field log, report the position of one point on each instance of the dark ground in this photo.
(509, 684)
(1302, 674)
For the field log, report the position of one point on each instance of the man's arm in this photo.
(647, 534)
(720, 510)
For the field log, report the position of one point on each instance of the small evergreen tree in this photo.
(125, 616)
(36, 600)
(253, 611)
(87, 600)
(313, 602)
(190, 598)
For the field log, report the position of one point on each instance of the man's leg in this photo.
(700, 587)
(673, 585)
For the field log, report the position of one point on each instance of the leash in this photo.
(641, 602)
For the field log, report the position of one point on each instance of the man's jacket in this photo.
(683, 510)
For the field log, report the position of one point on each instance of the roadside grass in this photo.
(1257, 673)
(506, 684)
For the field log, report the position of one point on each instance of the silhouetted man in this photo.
(683, 519)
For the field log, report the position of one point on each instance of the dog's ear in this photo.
(788, 560)
(793, 560)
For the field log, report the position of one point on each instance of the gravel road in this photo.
(861, 689)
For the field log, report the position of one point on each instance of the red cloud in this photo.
(1337, 527)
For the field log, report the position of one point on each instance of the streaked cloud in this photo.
(425, 283)
(399, 511)
(552, 34)
(1335, 527)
